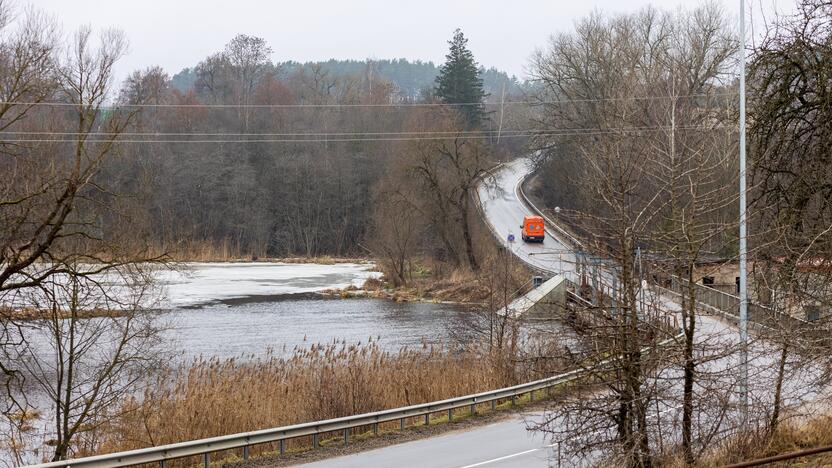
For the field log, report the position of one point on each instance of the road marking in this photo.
(506, 457)
(494, 460)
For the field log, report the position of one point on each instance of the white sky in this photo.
(179, 33)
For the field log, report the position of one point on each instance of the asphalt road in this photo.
(504, 213)
(506, 443)
(503, 444)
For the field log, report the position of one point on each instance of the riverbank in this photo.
(27, 314)
(467, 290)
(216, 397)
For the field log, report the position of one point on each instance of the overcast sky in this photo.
(179, 33)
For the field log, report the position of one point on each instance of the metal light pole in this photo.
(560, 252)
(743, 240)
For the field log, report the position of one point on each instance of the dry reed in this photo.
(216, 397)
(790, 436)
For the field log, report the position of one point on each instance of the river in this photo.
(244, 309)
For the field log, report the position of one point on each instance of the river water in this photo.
(252, 328)
(245, 309)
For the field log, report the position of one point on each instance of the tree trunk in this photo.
(466, 234)
(778, 389)
(689, 325)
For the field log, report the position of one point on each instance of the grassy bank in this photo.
(217, 397)
(790, 436)
(430, 280)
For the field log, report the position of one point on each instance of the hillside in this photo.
(411, 78)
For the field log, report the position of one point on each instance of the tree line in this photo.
(412, 79)
(244, 186)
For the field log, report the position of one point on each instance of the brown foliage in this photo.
(217, 397)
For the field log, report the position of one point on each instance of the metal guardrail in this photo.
(164, 453)
(204, 447)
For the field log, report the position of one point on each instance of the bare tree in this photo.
(248, 57)
(449, 171)
(645, 156)
(63, 231)
(788, 141)
(94, 345)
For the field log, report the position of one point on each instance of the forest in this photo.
(252, 158)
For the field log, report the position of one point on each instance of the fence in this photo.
(729, 304)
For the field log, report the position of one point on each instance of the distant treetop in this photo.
(413, 78)
(459, 81)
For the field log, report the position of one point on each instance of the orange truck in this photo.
(533, 229)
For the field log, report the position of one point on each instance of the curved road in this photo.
(501, 203)
(506, 443)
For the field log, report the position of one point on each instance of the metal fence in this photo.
(729, 304)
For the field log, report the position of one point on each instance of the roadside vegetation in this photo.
(792, 435)
(215, 397)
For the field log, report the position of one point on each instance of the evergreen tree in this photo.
(459, 81)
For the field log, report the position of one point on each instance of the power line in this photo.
(318, 139)
(361, 133)
(354, 105)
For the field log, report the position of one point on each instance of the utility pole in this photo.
(502, 104)
(743, 234)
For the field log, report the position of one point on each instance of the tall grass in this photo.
(790, 436)
(216, 397)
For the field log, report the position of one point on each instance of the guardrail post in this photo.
(450, 414)
(375, 429)
(162, 463)
(427, 419)
(531, 396)
(401, 424)
(314, 440)
(473, 409)
(346, 436)
(493, 405)
(513, 400)
(282, 446)
(245, 453)
(206, 460)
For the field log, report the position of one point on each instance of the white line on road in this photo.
(494, 460)
(506, 457)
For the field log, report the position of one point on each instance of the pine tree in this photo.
(459, 81)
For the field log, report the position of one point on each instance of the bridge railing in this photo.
(729, 304)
